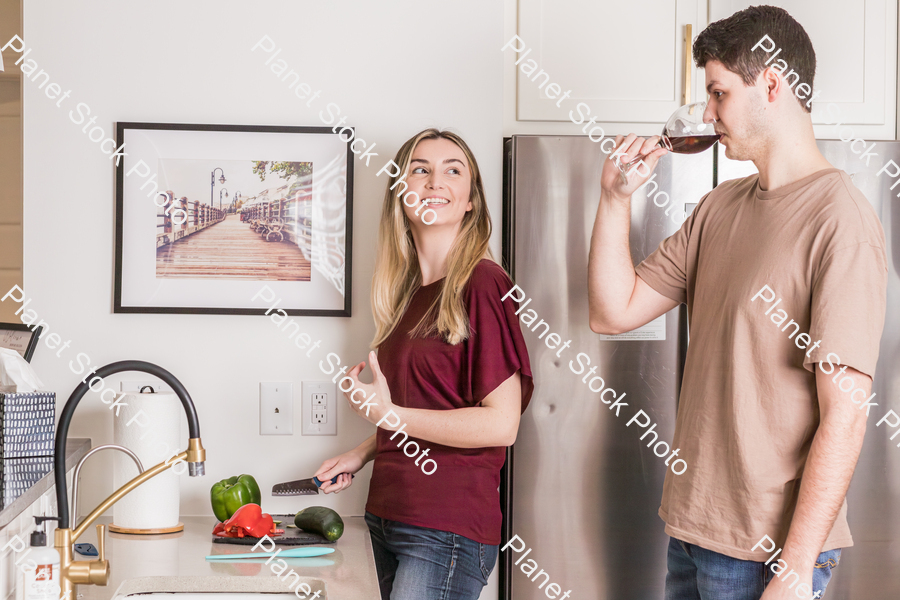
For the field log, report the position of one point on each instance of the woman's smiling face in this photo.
(439, 173)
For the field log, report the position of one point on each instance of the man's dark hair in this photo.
(731, 41)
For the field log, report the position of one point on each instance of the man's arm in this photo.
(619, 300)
(826, 477)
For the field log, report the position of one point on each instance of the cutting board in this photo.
(291, 536)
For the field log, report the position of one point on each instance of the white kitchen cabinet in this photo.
(625, 60)
(856, 61)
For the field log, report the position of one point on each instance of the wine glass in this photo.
(685, 133)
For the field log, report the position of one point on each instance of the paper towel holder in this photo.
(114, 528)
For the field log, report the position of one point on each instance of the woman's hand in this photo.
(345, 465)
(360, 393)
(342, 466)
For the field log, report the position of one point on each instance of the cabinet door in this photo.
(856, 61)
(625, 60)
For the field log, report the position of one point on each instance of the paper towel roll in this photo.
(155, 503)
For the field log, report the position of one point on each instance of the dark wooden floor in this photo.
(231, 250)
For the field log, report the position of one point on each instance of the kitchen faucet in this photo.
(96, 572)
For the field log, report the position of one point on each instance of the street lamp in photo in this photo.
(225, 190)
(234, 199)
(212, 182)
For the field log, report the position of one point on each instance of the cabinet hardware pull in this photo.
(686, 96)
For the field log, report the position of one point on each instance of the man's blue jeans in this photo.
(696, 573)
(418, 563)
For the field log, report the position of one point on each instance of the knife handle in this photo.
(333, 479)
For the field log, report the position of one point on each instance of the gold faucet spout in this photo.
(73, 573)
(96, 572)
(196, 458)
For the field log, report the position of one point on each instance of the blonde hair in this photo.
(397, 275)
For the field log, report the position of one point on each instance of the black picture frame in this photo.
(335, 267)
(19, 327)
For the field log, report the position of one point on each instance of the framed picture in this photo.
(20, 337)
(220, 219)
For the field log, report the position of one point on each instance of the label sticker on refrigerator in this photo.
(655, 330)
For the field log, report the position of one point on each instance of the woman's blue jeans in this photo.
(417, 563)
(696, 573)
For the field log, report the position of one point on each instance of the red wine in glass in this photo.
(684, 133)
(691, 144)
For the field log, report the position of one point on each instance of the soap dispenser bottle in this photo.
(40, 573)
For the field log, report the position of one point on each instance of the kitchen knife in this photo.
(300, 487)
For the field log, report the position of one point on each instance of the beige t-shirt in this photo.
(748, 408)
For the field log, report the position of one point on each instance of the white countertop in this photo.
(351, 577)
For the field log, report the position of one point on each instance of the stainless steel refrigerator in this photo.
(580, 488)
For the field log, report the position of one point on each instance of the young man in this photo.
(770, 437)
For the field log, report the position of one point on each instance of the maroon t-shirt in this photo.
(462, 495)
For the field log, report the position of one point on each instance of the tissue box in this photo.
(17, 475)
(27, 424)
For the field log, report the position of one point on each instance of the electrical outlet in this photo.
(318, 408)
(276, 408)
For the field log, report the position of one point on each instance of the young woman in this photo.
(452, 366)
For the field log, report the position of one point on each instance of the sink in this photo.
(225, 588)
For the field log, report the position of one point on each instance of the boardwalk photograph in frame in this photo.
(215, 238)
(207, 215)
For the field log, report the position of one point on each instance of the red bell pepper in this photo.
(249, 520)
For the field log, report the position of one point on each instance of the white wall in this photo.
(395, 68)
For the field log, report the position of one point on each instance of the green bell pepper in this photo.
(230, 494)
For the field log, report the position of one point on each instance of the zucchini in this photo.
(322, 520)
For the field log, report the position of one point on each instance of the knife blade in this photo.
(300, 487)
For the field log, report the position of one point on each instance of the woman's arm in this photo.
(366, 450)
(494, 423)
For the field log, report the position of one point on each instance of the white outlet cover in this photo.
(276, 408)
(309, 424)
